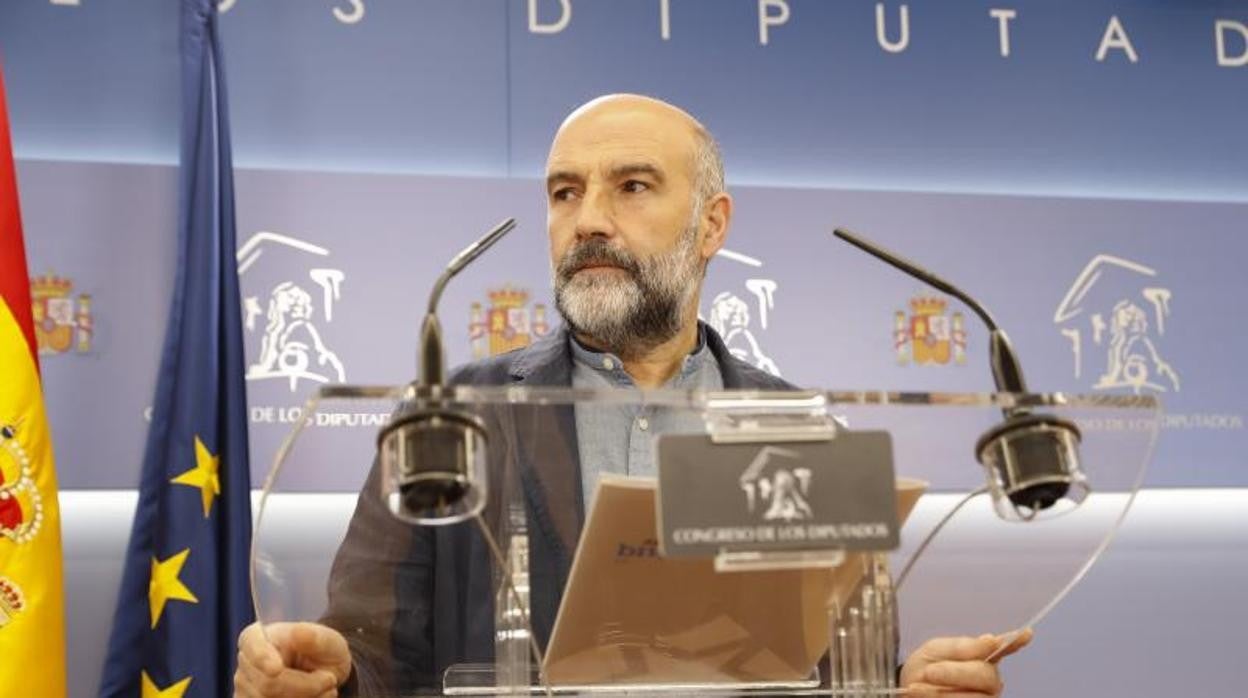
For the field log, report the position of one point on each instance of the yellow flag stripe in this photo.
(32, 630)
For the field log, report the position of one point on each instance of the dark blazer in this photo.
(414, 600)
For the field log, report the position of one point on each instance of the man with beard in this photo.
(636, 209)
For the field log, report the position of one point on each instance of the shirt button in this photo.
(643, 423)
(608, 364)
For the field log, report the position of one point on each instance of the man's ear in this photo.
(716, 217)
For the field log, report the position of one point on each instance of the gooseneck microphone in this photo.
(1031, 458)
(432, 350)
(1006, 372)
(432, 453)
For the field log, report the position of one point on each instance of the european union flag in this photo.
(184, 595)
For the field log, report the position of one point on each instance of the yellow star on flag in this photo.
(203, 475)
(175, 691)
(165, 584)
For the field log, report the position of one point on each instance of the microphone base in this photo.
(434, 466)
(1033, 466)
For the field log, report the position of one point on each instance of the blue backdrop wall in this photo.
(1080, 166)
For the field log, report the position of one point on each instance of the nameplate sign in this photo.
(837, 494)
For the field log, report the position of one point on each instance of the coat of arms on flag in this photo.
(32, 624)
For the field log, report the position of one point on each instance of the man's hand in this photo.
(954, 667)
(291, 659)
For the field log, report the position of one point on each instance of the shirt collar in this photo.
(609, 364)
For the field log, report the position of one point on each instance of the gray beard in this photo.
(630, 314)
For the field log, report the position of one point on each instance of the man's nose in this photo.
(595, 217)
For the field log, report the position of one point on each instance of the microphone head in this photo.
(433, 464)
(433, 455)
(1033, 468)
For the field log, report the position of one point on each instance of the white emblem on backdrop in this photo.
(730, 315)
(291, 346)
(782, 491)
(1116, 310)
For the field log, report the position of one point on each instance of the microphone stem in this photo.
(432, 360)
(465, 257)
(918, 272)
(1007, 374)
(436, 294)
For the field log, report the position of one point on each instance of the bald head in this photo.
(706, 173)
(625, 102)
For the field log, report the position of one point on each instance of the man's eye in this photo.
(563, 194)
(634, 186)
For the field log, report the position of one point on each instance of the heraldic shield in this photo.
(546, 563)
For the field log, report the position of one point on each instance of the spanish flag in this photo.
(32, 622)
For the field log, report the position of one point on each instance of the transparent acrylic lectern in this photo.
(456, 586)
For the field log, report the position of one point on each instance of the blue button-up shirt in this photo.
(619, 439)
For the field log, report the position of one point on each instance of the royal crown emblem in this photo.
(21, 507)
(62, 322)
(11, 601)
(928, 335)
(507, 324)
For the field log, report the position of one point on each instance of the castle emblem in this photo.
(11, 601)
(507, 324)
(929, 335)
(62, 322)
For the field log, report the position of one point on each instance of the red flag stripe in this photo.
(14, 278)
